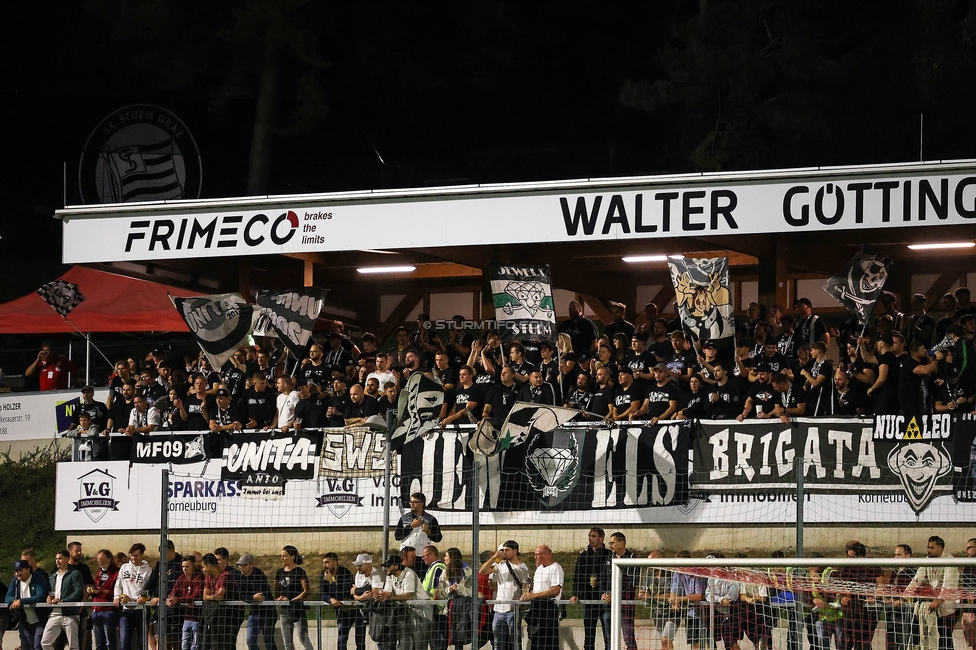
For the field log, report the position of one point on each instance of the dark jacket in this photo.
(39, 589)
(589, 563)
(72, 591)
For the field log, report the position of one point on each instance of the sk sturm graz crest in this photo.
(919, 465)
(523, 301)
(552, 464)
(140, 153)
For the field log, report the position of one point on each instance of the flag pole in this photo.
(88, 338)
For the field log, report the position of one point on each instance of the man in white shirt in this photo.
(69, 587)
(382, 374)
(142, 418)
(131, 588)
(402, 583)
(944, 581)
(365, 584)
(510, 576)
(547, 587)
(286, 401)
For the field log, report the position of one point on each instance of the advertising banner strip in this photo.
(778, 201)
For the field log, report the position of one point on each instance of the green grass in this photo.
(27, 506)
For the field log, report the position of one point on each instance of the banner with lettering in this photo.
(220, 323)
(964, 458)
(175, 448)
(523, 301)
(840, 456)
(563, 469)
(292, 314)
(265, 461)
(354, 452)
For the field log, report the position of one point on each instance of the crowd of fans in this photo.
(419, 598)
(780, 365)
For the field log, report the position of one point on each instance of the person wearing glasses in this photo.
(418, 528)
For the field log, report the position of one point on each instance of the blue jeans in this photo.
(191, 635)
(130, 625)
(104, 625)
(259, 625)
(626, 626)
(344, 623)
(503, 627)
(30, 633)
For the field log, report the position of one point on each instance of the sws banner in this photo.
(564, 469)
(356, 452)
(270, 459)
(177, 448)
(839, 456)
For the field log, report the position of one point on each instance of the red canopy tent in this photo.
(113, 303)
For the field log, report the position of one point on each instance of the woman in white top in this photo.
(455, 583)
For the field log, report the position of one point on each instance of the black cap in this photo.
(512, 544)
(393, 560)
(762, 366)
(222, 392)
(803, 301)
(641, 336)
(626, 370)
(887, 339)
(88, 389)
(709, 344)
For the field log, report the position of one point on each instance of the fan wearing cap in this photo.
(24, 593)
(253, 587)
(511, 578)
(617, 311)
(402, 583)
(661, 401)
(97, 411)
(222, 418)
(366, 583)
(640, 360)
(762, 396)
(627, 398)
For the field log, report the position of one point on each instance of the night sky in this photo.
(393, 94)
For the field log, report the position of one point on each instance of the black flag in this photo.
(292, 315)
(858, 286)
(61, 296)
(420, 407)
(220, 323)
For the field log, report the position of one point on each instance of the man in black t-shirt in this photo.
(338, 359)
(310, 412)
(582, 332)
(773, 358)
(762, 396)
(118, 413)
(603, 394)
(661, 400)
(627, 398)
(389, 400)
(725, 400)
(257, 407)
(97, 411)
(519, 365)
(817, 380)
(361, 406)
(885, 387)
(537, 391)
(790, 400)
(846, 399)
(914, 393)
(467, 402)
(459, 342)
(683, 360)
(338, 403)
(501, 397)
(315, 371)
(640, 360)
(617, 311)
(197, 405)
(809, 327)
(581, 395)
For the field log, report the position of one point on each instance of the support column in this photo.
(774, 283)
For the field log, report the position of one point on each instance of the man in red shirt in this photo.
(52, 368)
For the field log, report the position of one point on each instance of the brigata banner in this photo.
(564, 469)
(175, 448)
(839, 456)
(650, 207)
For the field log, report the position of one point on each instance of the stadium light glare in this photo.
(387, 269)
(637, 259)
(948, 244)
(676, 256)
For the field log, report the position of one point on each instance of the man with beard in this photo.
(582, 332)
(315, 371)
(603, 394)
(536, 390)
(761, 401)
(817, 380)
(339, 403)
(118, 413)
(417, 528)
(257, 408)
(586, 586)
(725, 400)
(627, 398)
(791, 401)
(661, 398)
(809, 327)
(845, 400)
(501, 397)
(944, 581)
(581, 395)
(361, 407)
